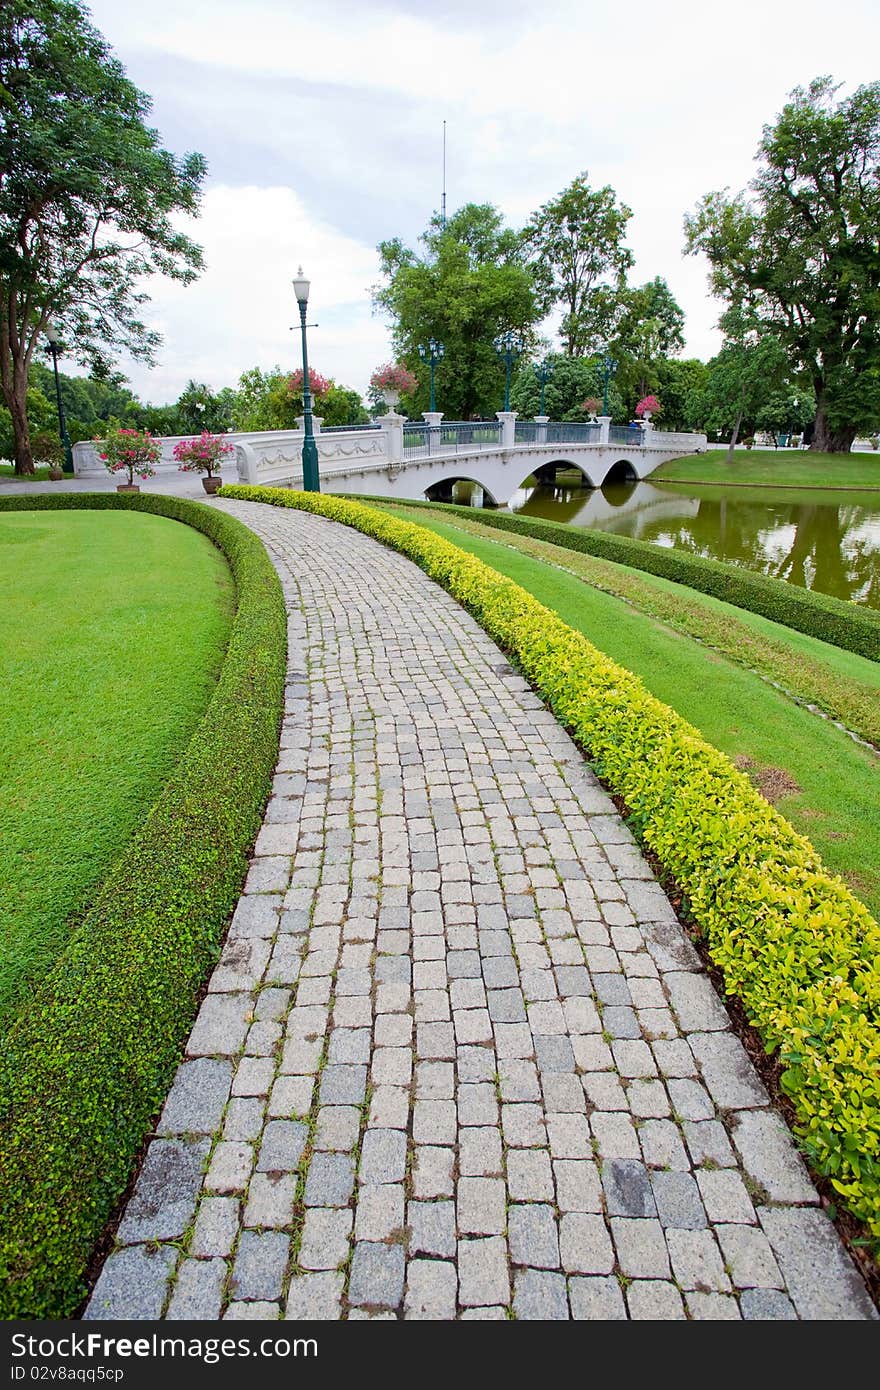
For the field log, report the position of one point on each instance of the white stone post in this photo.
(246, 463)
(317, 422)
(432, 418)
(392, 428)
(604, 427)
(507, 420)
(648, 433)
(542, 422)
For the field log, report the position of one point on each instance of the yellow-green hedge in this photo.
(793, 943)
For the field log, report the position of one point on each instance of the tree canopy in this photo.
(472, 284)
(576, 242)
(87, 198)
(799, 251)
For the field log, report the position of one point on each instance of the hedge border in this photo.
(88, 1063)
(792, 942)
(830, 619)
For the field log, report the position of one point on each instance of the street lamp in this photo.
(609, 367)
(311, 480)
(544, 372)
(53, 341)
(432, 353)
(508, 345)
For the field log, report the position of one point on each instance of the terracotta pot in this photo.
(127, 487)
(212, 485)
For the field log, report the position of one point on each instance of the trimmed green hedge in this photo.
(833, 620)
(793, 943)
(87, 1065)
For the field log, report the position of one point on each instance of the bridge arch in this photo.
(546, 472)
(442, 489)
(623, 471)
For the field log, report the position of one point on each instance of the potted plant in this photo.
(47, 450)
(132, 451)
(393, 381)
(648, 406)
(203, 455)
(591, 406)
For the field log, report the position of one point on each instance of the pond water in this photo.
(828, 541)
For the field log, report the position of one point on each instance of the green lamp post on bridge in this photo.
(52, 338)
(509, 347)
(311, 477)
(609, 367)
(432, 352)
(544, 373)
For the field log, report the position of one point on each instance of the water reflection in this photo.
(829, 541)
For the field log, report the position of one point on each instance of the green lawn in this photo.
(775, 468)
(39, 475)
(112, 631)
(838, 782)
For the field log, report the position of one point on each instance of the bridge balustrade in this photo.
(631, 435)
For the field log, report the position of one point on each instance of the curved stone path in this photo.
(458, 1058)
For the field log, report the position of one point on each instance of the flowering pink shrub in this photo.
(394, 377)
(318, 385)
(201, 455)
(591, 405)
(648, 405)
(133, 450)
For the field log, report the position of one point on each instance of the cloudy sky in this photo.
(322, 127)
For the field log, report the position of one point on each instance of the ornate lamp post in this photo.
(53, 341)
(609, 367)
(508, 345)
(544, 372)
(311, 479)
(432, 353)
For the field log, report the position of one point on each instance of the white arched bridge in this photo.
(394, 457)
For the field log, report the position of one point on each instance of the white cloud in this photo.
(322, 125)
(239, 313)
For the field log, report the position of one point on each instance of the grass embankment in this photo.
(774, 468)
(706, 659)
(112, 632)
(89, 1058)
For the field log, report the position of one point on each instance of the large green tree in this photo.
(742, 378)
(800, 250)
(647, 329)
(87, 199)
(471, 284)
(272, 400)
(576, 242)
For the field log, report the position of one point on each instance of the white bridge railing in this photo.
(392, 442)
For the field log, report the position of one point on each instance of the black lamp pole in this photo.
(609, 367)
(311, 477)
(508, 345)
(432, 353)
(52, 339)
(544, 372)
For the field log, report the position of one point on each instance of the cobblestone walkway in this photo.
(458, 1058)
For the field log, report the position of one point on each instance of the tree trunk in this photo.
(830, 441)
(734, 436)
(17, 403)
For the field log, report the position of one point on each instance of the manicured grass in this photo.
(734, 709)
(845, 686)
(88, 1062)
(775, 468)
(112, 631)
(39, 475)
